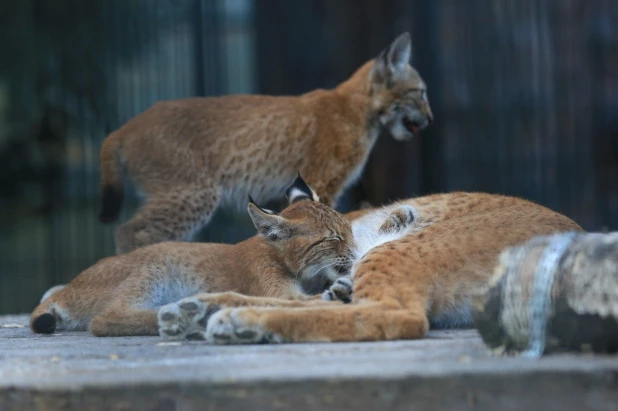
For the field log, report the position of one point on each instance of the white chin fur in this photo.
(399, 132)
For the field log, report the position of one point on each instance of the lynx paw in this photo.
(238, 326)
(400, 218)
(341, 290)
(186, 318)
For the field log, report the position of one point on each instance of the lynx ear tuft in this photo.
(264, 210)
(399, 52)
(299, 190)
(391, 63)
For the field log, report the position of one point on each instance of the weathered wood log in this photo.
(553, 293)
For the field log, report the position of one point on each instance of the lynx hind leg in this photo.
(120, 320)
(400, 218)
(172, 216)
(340, 290)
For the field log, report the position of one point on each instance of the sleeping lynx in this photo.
(417, 262)
(120, 295)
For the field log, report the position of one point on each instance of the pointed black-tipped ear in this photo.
(264, 210)
(391, 63)
(299, 190)
(268, 224)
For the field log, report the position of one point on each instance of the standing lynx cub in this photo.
(417, 262)
(189, 155)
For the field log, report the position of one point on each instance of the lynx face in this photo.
(311, 238)
(322, 243)
(399, 94)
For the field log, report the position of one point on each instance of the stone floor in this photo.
(449, 370)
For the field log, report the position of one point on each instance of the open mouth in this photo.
(412, 126)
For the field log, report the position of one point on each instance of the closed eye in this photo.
(312, 246)
(336, 238)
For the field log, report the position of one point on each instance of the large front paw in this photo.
(185, 319)
(400, 218)
(239, 326)
(341, 290)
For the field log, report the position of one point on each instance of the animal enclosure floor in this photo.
(449, 370)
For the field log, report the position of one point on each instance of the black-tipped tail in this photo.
(111, 204)
(44, 324)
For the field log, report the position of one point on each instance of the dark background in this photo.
(524, 93)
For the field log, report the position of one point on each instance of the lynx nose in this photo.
(342, 269)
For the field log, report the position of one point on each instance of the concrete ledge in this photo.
(450, 370)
